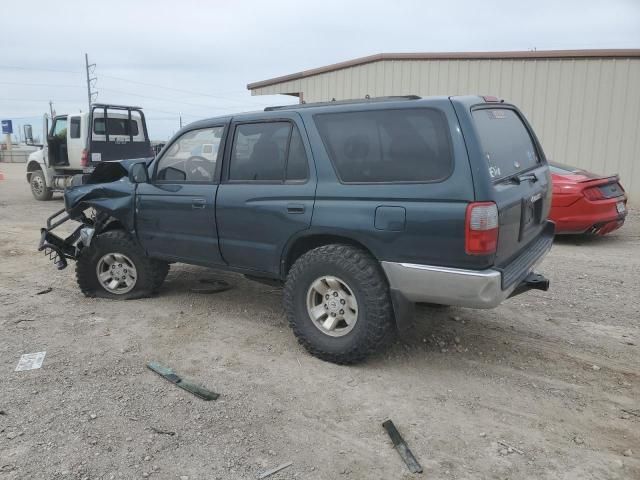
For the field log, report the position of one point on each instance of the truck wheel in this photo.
(39, 188)
(338, 304)
(115, 267)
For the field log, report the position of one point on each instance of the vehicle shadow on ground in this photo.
(435, 330)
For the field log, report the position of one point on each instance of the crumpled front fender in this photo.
(115, 198)
(109, 190)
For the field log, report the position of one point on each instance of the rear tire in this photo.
(355, 320)
(38, 184)
(116, 267)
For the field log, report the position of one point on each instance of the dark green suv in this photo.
(361, 209)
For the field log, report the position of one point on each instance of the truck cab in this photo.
(76, 143)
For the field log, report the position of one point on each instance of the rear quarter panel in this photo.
(433, 230)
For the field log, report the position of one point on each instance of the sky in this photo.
(195, 58)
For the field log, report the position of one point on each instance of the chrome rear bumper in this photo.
(447, 286)
(469, 288)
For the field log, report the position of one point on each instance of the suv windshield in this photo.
(507, 145)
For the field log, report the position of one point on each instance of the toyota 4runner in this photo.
(360, 208)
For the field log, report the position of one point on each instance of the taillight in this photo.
(84, 159)
(481, 228)
(593, 193)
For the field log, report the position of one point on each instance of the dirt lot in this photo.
(547, 373)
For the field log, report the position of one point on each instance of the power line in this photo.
(38, 69)
(39, 84)
(208, 107)
(175, 114)
(190, 92)
(123, 93)
(34, 100)
(147, 84)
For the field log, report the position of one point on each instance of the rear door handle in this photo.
(295, 208)
(198, 203)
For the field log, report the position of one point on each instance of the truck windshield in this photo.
(507, 146)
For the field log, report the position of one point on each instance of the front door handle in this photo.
(198, 203)
(295, 208)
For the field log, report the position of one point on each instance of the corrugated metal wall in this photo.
(585, 111)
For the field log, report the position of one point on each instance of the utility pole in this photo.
(90, 68)
(53, 114)
(180, 120)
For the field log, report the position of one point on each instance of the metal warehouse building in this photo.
(583, 104)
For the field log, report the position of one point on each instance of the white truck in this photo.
(76, 143)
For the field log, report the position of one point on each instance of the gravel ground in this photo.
(549, 374)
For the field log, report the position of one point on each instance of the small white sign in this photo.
(30, 361)
(96, 157)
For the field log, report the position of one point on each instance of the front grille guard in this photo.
(58, 250)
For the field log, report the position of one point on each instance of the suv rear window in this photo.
(117, 126)
(507, 145)
(384, 146)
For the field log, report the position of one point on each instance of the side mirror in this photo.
(28, 134)
(138, 173)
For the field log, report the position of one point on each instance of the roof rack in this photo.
(115, 107)
(366, 99)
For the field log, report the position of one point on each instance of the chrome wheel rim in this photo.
(37, 184)
(116, 273)
(332, 306)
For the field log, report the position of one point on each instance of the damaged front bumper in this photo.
(58, 249)
(109, 192)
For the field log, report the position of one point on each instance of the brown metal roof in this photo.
(514, 55)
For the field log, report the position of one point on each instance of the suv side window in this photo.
(192, 157)
(268, 151)
(74, 131)
(386, 146)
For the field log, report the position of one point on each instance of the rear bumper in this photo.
(470, 288)
(598, 217)
(593, 225)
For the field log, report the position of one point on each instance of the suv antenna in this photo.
(90, 68)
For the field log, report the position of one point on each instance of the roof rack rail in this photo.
(366, 99)
(115, 107)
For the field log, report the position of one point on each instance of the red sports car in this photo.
(584, 202)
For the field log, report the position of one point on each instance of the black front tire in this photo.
(39, 188)
(375, 319)
(149, 275)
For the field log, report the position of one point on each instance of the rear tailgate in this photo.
(518, 179)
